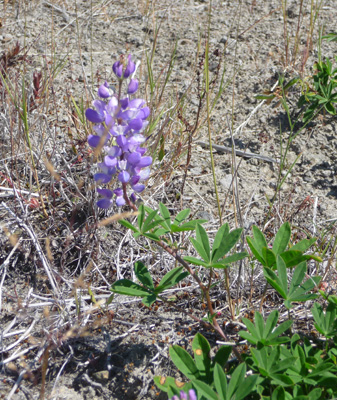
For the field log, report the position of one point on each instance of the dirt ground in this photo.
(71, 346)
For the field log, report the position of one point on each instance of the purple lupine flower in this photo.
(133, 86)
(104, 91)
(106, 201)
(119, 123)
(184, 396)
(120, 201)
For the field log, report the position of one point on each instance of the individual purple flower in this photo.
(104, 91)
(124, 177)
(106, 201)
(133, 86)
(120, 201)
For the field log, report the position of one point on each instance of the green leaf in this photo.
(275, 281)
(222, 356)
(201, 350)
(124, 286)
(219, 238)
(259, 238)
(257, 244)
(259, 323)
(182, 215)
(269, 257)
(304, 244)
(326, 324)
(236, 380)
(165, 383)
(143, 275)
(265, 333)
(152, 236)
(166, 223)
(284, 326)
(196, 261)
(247, 387)
(141, 216)
(204, 390)
(128, 225)
(220, 382)
(203, 242)
(254, 250)
(282, 239)
(184, 362)
(230, 259)
(150, 222)
(171, 279)
(149, 300)
(227, 242)
(187, 226)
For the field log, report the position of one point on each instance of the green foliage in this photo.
(323, 94)
(224, 241)
(147, 290)
(283, 87)
(148, 222)
(265, 334)
(207, 376)
(330, 37)
(271, 365)
(178, 224)
(326, 324)
(292, 257)
(297, 289)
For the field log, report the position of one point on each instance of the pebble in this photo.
(102, 376)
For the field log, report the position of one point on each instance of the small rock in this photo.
(101, 376)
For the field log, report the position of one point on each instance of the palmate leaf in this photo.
(325, 323)
(224, 241)
(177, 225)
(268, 362)
(297, 290)
(228, 241)
(238, 388)
(265, 333)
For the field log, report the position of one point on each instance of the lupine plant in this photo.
(276, 366)
(119, 123)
